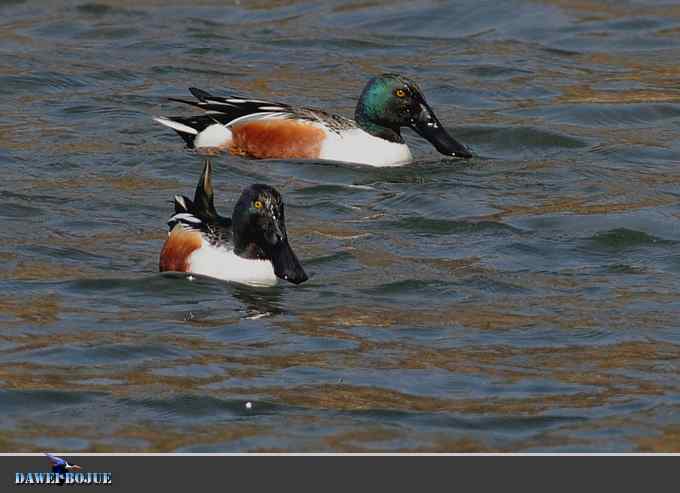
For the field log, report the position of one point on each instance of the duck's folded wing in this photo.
(200, 214)
(227, 110)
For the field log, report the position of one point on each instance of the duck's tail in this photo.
(211, 129)
(198, 131)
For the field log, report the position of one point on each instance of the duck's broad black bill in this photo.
(286, 264)
(428, 126)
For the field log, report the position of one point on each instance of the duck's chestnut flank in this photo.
(179, 246)
(280, 139)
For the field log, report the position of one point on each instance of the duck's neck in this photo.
(376, 129)
(245, 243)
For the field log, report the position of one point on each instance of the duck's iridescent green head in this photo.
(390, 102)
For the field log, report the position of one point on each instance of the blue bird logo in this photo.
(61, 466)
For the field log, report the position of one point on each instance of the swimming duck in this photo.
(251, 247)
(266, 130)
(61, 466)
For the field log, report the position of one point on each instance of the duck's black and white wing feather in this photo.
(200, 214)
(234, 109)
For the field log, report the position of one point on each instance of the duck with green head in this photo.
(266, 130)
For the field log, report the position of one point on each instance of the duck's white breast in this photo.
(222, 263)
(357, 146)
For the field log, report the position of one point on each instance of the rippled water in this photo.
(526, 300)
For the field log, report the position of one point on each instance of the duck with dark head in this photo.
(251, 247)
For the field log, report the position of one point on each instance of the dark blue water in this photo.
(526, 300)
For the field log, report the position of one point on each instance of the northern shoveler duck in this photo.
(252, 247)
(267, 130)
(61, 466)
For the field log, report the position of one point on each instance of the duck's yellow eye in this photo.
(400, 93)
(257, 204)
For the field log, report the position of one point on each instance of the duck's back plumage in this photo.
(234, 109)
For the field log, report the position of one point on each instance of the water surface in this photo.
(526, 300)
